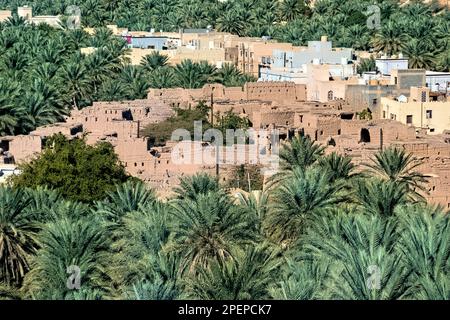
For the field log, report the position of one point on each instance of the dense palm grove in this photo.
(420, 31)
(318, 232)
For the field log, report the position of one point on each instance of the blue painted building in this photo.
(148, 42)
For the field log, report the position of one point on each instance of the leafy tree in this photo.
(161, 132)
(69, 165)
(247, 178)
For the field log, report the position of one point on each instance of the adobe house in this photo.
(270, 106)
(369, 94)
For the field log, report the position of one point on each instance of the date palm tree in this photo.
(298, 200)
(303, 280)
(193, 186)
(257, 202)
(291, 9)
(35, 112)
(441, 32)
(135, 82)
(425, 247)
(359, 37)
(380, 197)
(301, 152)
(187, 75)
(75, 76)
(230, 21)
(158, 289)
(207, 229)
(8, 292)
(67, 244)
(111, 90)
(246, 277)
(230, 76)
(443, 62)
(396, 165)
(18, 236)
(390, 39)
(338, 166)
(362, 251)
(15, 21)
(366, 65)
(42, 203)
(127, 197)
(419, 56)
(154, 61)
(136, 253)
(162, 78)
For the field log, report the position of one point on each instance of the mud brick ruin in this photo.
(267, 105)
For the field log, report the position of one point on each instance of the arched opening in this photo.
(332, 142)
(291, 133)
(365, 135)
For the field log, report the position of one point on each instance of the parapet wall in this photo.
(23, 148)
(264, 91)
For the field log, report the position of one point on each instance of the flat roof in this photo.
(146, 36)
(437, 73)
(386, 59)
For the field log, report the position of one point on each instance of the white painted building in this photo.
(438, 81)
(7, 170)
(301, 75)
(386, 65)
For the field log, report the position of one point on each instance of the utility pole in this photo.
(212, 108)
(217, 160)
(381, 139)
(421, 115)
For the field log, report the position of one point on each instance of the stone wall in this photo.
(23, 148)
